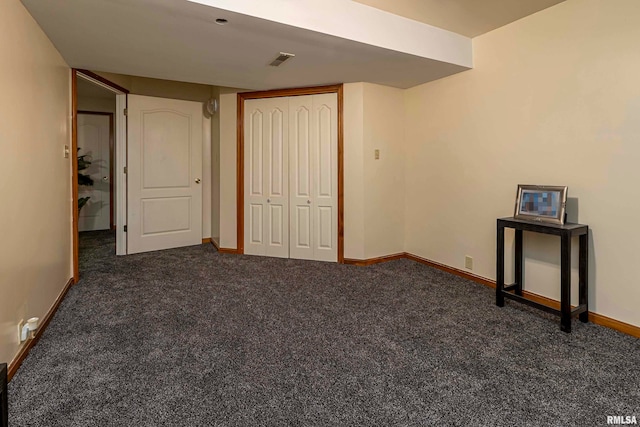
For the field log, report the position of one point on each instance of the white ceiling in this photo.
(467, 17)
(179, 40)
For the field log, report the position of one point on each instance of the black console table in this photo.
(514, 291)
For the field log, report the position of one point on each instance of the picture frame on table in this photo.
(541, 203)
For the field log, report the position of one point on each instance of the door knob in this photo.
(105, 178)
(197, 180)
(268, 200)
(308, 202)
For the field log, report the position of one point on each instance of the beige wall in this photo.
(228, 222)
(553, 99)
(384, 195)
(35, 254)
(161, 88)
(95, 104)
(188, 92)
(373, 214)
(354, 203)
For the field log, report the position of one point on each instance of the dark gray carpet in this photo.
(191, 337)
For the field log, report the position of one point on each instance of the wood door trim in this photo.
(337, 89)
(74, 174)
(378, 260)
(111, 159)
(452, 270)
(228, 251)
(279, 93)
(102, 80)
(340, 175)
(223, 250)
(74, 164)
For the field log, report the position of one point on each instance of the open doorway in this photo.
(98, 145)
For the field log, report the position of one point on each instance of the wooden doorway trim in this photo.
(73, 156)
(111, 160)
(337, 89)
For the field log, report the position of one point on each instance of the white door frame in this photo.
(120, 145)
(110, 117)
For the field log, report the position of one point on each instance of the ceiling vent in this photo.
(280, 59)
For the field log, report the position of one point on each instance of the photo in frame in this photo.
(541, 203)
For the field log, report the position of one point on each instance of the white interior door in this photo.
(301, 177)
(94, 138)
(313, 124)
(266, 187)
(164, 203)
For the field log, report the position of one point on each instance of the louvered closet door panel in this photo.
(300, 177)
(266, 213)
(324, 165)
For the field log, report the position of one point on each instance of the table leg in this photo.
(500, 266)
(584, 276)
(518, 263)
(565, 282)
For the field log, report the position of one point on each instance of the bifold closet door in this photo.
(313, 177)
(266, 186)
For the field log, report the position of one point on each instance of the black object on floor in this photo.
(4, 406)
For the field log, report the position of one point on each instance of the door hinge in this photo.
(126, 111)
(125, 169)
(125, 228)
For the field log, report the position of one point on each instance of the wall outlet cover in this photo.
(468, 262)
(21, 324)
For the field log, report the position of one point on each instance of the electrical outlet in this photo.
(65, 151)
(376, 154)
(21, 323)
(468, 262)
